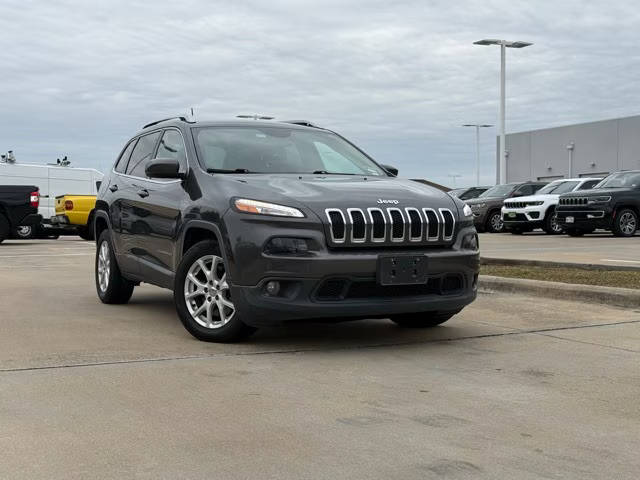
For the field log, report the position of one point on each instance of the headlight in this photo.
(535, 204)
(264, 208)
(466, 211)
(603, 199)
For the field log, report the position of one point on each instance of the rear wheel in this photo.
(4, 228)
(551, 225)
(202, 296)
(423, 319)
(85, 233)
(25, 232)
(626, 223)
(494, 222)
(112, 287)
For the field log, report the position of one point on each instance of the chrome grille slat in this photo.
(574, 201)
(390, 225)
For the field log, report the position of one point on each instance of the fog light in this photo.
(272, 288)
(470, 242)
(286, 246)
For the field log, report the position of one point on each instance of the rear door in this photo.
(132, 221)
(156, 213)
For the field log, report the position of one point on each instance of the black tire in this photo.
(422, 320)
(5, 229)
(118, 289)
(25, 232)
(625, 223)
(551, 226)
(85, 233)
(574, 232)
(494, 223)
(207, 297)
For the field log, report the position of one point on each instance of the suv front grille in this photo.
(573, 201)
(392, 225)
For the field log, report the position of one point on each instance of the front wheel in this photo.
(551, 225)
(626, 223)
(25, 232)
(203, 296)
(112, 287)
(422, 320)
(494, 223)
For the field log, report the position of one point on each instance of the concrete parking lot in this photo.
(510, 388)
(598, 248)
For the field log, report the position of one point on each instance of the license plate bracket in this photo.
(402, 269)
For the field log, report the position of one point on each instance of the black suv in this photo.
(614, 204)
(254, 223)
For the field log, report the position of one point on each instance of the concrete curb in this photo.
(550, 264)
(621, 297)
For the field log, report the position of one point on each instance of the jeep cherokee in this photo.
(255, 223)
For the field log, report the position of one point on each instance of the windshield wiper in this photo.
(324, 172)
(224, 170)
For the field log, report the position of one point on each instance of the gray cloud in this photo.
(398, 77)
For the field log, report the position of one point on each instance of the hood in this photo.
(598, 192)
(477, 201)
(534, 198)
(318, 192)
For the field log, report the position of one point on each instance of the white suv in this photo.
(524, 214)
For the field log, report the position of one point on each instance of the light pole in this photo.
(504, 44)
(454, 176)
(478, 127)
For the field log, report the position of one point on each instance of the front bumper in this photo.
(522, 218)
(585, 218)
(452, 276)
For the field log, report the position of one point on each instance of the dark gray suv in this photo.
(254, 223)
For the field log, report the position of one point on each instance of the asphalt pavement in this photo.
(598, 248)
(510, 388)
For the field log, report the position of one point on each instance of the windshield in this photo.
(621, 180)
(558, 187)
(498, 191)
(279, 150)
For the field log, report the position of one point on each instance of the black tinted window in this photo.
(121, 166)
(171, 146)
(142, 153)
(589, 185)
(536, 187)
(525, 190)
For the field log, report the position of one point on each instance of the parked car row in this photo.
(573, 205)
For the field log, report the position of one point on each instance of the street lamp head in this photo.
(506, 43)
(488, 41)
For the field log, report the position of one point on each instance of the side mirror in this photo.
(163, 168)
(390, 169)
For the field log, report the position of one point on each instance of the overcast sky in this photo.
(396, 77)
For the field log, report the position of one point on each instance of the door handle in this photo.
(143, 193)
(113, 188)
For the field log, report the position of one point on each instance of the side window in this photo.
(121, 166)
(171, 146)
(142, 153)
(589, 185)
(536, 187)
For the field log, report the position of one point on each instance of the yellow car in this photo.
(75, 211)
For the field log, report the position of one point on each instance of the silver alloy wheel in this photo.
(104, 266)
(24, 231)
(627, 223)
(496, 222)
(207, 294)
(554, 223)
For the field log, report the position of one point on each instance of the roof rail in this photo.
(304, 123)
(182, 119)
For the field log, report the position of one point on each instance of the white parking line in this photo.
(615, 260)
(48, 255)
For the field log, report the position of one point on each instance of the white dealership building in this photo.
(591, 149)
